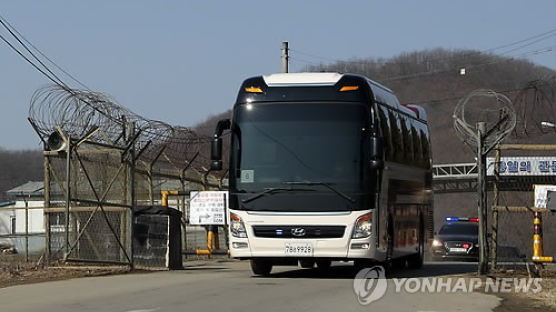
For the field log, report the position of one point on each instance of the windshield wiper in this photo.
(328, 185)
(272, 190)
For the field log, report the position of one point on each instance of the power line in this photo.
(459, 97)
(521, 41)
(544, 50)
(43, 68)
(29, 61)
(59, 81)
(428, 73)
(528, 44)
(313, 55)
(42, 54)
(538, 37)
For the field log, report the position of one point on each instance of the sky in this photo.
(183, 61)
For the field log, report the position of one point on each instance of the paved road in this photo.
(228, 286)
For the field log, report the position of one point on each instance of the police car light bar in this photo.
(462, 219)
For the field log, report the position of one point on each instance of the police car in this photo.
(458, 239)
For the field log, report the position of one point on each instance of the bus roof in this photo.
(311, 79)
(381, 93)
(305, 79)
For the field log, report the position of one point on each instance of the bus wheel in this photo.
(416, 261)
(261, 267)
(398, 264)
(323, 264)
(307, 263)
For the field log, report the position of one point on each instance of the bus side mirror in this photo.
(377, 152)
(216, 145)
(216, 154)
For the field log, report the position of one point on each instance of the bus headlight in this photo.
(237, 228)
(363, 226)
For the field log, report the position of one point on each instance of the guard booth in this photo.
(157, 238)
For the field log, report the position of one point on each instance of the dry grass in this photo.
(14, 270)
(544, 300)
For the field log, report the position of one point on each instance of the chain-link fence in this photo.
(92, 222)
(513, 203)
(515, 235)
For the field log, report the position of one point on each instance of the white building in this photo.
(22, 220)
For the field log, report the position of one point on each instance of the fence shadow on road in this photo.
(432, 269)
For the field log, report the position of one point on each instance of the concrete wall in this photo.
(36, 217)
(35, 225)
(6, 215)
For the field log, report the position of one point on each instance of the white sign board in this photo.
(541, 194)
(208, 208)
(523, 166)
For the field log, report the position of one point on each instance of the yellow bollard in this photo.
(165, 195)
(537, 239)
(208, 251)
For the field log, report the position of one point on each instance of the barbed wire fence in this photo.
(101, 162)
(512, 204)
(481, 120)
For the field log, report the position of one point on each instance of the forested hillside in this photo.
(432, 79)
(18, 167)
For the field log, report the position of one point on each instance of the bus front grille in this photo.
(299, 231)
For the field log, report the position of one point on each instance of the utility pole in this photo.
(285, 56)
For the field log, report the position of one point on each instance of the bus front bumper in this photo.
(340, 248)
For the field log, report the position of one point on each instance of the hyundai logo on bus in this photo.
(298, 232)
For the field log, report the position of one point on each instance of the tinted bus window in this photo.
(385, 131)
(407, 139)
(417, 149)
(396, 133)
(425, 146)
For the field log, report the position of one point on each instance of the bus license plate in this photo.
(299, 249)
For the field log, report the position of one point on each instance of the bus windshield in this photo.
(278, 143)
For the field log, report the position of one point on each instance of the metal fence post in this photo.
(68, 192)
(26, 230)
(130, 131)
(495, 202)
(46, 205)
(482, 192)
